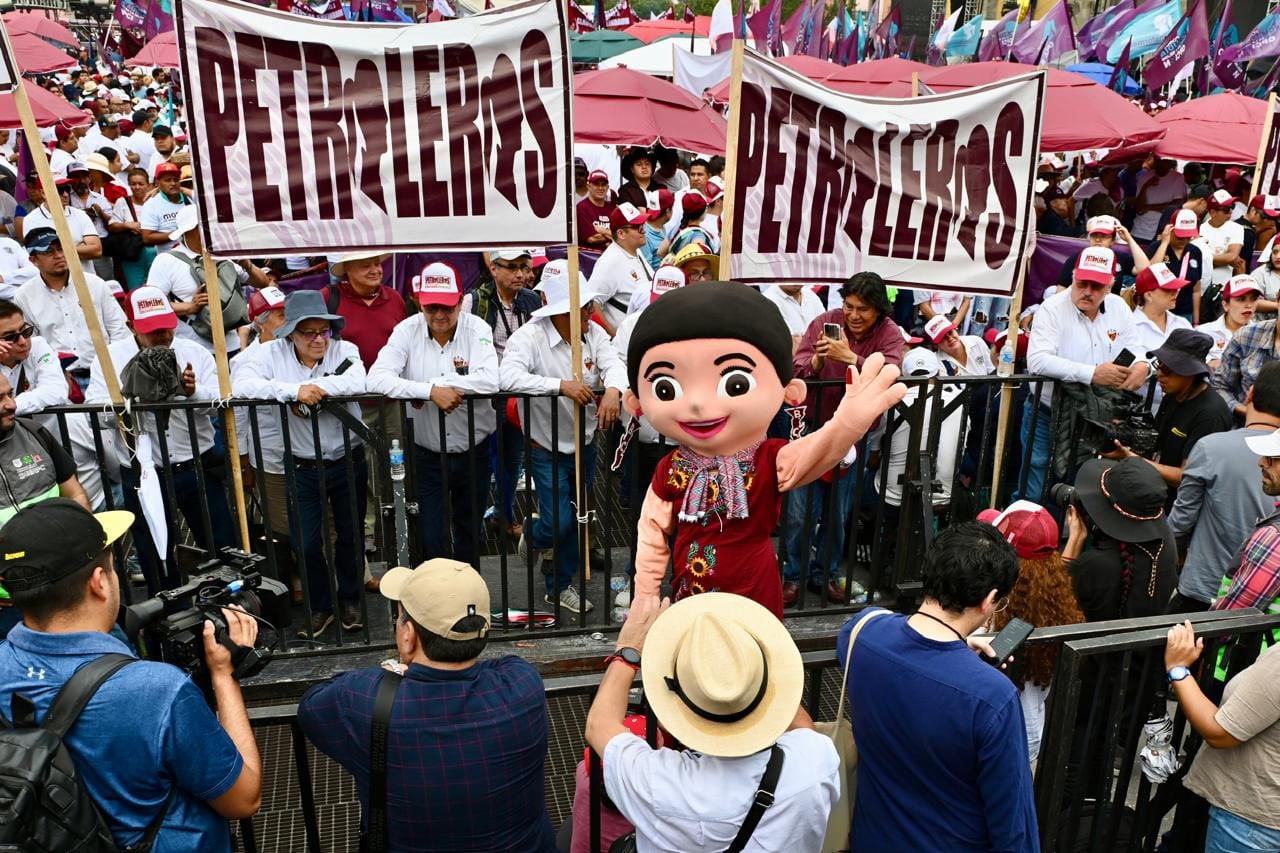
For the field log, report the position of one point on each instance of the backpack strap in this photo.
(383, 702)
(331, 298)
(143, 845)
(763, 800)
(79, 689)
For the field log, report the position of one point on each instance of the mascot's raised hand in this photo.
(709, 367)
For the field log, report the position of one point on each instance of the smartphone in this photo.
(1124, 359)
(1009, 640)
(831, 330)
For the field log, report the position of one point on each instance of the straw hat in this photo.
(722, 674)
(339, 267)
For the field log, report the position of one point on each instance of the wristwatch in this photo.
(1178, 673)
(627, 655)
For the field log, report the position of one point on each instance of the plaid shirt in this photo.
(1256, 582)
(465, 753)
(1252, 347)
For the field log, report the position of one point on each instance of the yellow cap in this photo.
(438, 594)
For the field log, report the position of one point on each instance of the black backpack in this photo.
(44, 808)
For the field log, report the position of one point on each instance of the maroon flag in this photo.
(887, 32)
(1188, 42)
(766, 28)
(1116, 83)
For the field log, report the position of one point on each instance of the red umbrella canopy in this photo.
(651, 31)
(161, 51)
(1222, 128)
(619, 106)
(895, 69)
(34, 55)
(49, 109)
(819, 70)
(1078, 113)
(37, 24)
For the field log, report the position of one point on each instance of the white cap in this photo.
(1186, 224)
(555, 289)
(187, 219)
(1265, 445)
(667, 278)
(920, 362)
(437, 284)
(1101, 225)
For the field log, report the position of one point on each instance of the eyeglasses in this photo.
(514, 267)
(698, 275)
(309, 336)
(24, 333)
(439, 309)
(1002, 605)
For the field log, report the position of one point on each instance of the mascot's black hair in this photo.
(712, 309)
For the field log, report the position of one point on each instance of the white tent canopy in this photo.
(658, 58)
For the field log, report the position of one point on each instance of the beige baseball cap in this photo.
(438, 594)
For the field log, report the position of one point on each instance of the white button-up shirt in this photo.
(173, 277)
(273, 371)
(979, 358)
(57, 316)
(1065, 344)
(177, 438)
(79, 223)
(797, 314)
(537, 359)
(87, 204)
(645, 431)
(270, 438)
(412, 363)
(42, 375)
(616, 276)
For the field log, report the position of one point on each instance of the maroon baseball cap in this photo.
(1027, 526)
(693, 202)
(666, 200)
(167, 168)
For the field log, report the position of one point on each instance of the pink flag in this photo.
(1047, 38)
(1188, 42)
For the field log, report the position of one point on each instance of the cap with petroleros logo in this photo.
(437, 284)
(665, 201)
(264, 300)
(666, 279)
(938, 327)
(920, 363)
(1239, 285)
(627, 214)
(1221, 200)
(1102, 225)
(1158, 276)
(1268, 204)
(1186, 224)
(439, 594)
(1096, 264)
(599, 176)
(151, 310)
(1027, 526)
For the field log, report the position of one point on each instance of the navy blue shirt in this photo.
(942, 746)
(465, 753)
(147, 729)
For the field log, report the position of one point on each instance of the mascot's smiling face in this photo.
(715, 396)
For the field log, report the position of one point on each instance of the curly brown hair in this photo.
(1044, 597)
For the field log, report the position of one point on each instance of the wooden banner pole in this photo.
(1262, 145)
(214, 291)
(1007, 367)
(728, 214)
(575, 348)
(59, 217)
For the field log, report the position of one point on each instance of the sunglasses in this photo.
(311, 336)
(24, 333)
(439, 309)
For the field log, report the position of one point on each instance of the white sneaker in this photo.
(571, 601)
(622, 599)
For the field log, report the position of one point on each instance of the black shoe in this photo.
(351, 620)
(320, 623)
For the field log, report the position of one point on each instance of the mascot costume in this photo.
(710, 366)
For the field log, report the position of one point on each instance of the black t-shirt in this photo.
(1250, 244)
(1194, 269)
(1181, 425)
(1099, 578)
(1051, 223)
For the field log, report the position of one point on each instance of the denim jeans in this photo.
(826, 541)
(506, 466)
(1230, 833)
(557, 523)
(1038, 467)
(987, 312)
(468, 475)
(313, 487)
(186, 498)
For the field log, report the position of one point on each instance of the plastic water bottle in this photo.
(397, 461)
(1006, 366)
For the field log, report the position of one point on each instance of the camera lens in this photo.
(1063, 495)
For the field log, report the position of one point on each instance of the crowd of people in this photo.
(1160, 336)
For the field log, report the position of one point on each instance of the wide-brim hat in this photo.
(306, 305)
(695, 252)
(735, 656)
(630, 160)
(1125, 498)
(339, 268)
(1183, 353)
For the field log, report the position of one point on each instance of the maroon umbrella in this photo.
(619, 106)
(1222, 128)
(37, 24)
(818, 70)
(161, 52)
(1078, 113)
(48, 108)
(34, 55)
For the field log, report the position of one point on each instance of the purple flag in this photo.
(1087, 38)
(1188, 42)
(1102, 46)
(793, 29)
(1226, 74)
(766, 28)
(1264, 41)
(159, 18)
(132, 18)
(887, 32)
(1047, 38)
(1269, 82)
(1116, 83)
(995, 44)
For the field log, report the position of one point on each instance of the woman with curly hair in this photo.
(1042, 596)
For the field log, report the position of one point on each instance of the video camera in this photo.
(174, 619)
(1132, 425)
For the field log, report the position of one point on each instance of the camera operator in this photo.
(1129, 568)
(147, 742)
(1189, 410)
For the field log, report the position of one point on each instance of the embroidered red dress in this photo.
(722, 554)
